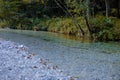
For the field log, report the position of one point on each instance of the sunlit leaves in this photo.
(74, 6)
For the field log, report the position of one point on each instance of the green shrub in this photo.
(103, 27)
(4, 24)
(62, 25)
(116, 29)
(114, 12)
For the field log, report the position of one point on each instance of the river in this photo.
(83, 59)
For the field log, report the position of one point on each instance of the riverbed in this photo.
(83, 60)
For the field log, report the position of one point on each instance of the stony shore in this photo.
(18, 63)
(48, 59)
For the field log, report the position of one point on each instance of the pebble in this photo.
(15, 65)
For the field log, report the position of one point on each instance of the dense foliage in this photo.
(98, 19)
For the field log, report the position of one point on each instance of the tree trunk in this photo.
(118, 8)
(88, 9)
(87, 17)
(89, 27)
(107, 4)
(65, 9)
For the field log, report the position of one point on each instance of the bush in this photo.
(62, 25)
(106, 28)
(116, 29)
(42, 25)
(4, 24)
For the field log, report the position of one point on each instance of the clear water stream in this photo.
(74, 56)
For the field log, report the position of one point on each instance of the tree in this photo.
(66, 10)
(118, 8)
(8, 9)
(107, 4)
(76, 7)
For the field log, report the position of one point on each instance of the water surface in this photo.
(74, 56)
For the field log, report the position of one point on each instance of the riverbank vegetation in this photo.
(97, 19)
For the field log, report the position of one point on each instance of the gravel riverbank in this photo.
(18, 63)
(82, 61)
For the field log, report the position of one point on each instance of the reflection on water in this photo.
(70, 41)
(72, 37)
(49, 35)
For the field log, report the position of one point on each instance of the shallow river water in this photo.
(84, 60)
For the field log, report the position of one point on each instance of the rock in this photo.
(16, 63)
